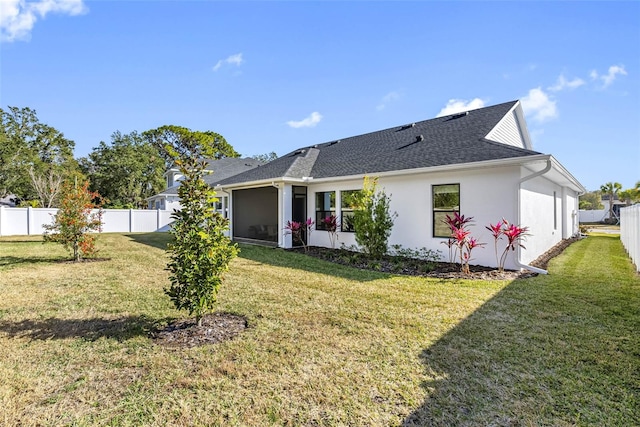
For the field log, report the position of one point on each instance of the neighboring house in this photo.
(8, 201)
(480, 161)
(617, 205)
(221, 169)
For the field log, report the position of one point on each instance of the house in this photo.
(481, 159)
(221, 169)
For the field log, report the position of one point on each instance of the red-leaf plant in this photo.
(296, 229)
(515, 234)
(331, 225)
(461, 239)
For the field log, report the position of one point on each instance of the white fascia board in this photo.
(487, 164)
(263, 183)
(575, 184)
(522, 123)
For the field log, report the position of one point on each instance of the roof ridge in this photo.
(303, 165)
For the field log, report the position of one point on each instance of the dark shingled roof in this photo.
(228, 167)
(448, 140)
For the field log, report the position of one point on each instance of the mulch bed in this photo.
(216, 327)
(441, 270)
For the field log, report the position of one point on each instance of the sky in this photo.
(276, 76)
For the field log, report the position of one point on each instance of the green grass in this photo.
(326, 344)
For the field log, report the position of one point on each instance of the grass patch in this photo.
(326, 344)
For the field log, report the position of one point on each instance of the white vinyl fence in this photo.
(29, 221)
(592, 215)
(630, 232)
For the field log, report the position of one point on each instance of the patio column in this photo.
(285, 201)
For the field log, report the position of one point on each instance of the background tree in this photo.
(75, 221)
(265, 158)
(372, 219)
(611, 189)
(28, 146)
(47, 187)
(200, 252)
(187, 144)
(591, 200)
(630, 195)
(125, 172)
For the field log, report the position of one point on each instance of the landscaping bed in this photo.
(428, 268)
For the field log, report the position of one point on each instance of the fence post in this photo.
(130, 220)
(1, 215)
(29, 220)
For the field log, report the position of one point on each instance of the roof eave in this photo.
(511, 161)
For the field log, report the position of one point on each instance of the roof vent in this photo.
(333, 143)
(412, 125)
(419, 138)
(299, 152)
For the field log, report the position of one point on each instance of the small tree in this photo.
(372, 220)
(200, 252)
(76, 219)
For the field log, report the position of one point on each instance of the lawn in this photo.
(327, 345)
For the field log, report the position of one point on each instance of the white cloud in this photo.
(236, 60)
(17, 17)
(388, 98)
(563, 83)
(309, 122)
(539, 106)
(614, 70)
(607, 79)
(459, 105)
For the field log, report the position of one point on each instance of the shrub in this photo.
(372, 220)
(461, 239)
(331, 225)
(75, 220)
(298, 230)
(514, 234)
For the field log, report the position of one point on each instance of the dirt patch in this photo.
(216, 327)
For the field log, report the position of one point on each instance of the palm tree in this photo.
(611, 188)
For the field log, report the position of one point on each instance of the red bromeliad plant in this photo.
(515, 235)
(297, 230)
(461, 239)
(331, 225)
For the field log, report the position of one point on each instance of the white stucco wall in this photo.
(488, 195)
(537, 212)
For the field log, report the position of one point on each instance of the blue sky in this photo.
(274, 76)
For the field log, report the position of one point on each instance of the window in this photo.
(221, 206)
(325, 206)
(347, 206)
(446, 201)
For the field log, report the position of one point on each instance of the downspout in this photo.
(527, 178)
